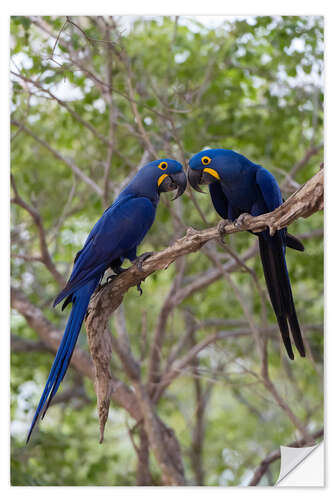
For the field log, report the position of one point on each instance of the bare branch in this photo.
(178, 366)
(303, 203)
(168, 306)
(107, 299)
(143, 475)
(301, 163)
(206, 278)
(49, 335)
(161, 438)
(201, 396)
(100, 347)
(81, 361)
(19, 344)
(112, 118)
(69, 162)
(45, 255)
(111, 113)
(163, 445)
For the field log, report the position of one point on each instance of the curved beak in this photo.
(194, 178)
(205, 176)
(171, 182)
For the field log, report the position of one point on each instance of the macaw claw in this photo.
(242, 220)
(110, 278)
(117, 269)
(140, 260)
(221, 227)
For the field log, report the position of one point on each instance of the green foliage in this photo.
(252, 85)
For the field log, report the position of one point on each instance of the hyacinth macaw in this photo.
(115, 237)
(238, 186)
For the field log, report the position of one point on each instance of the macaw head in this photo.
(157, 177)
(213, 165)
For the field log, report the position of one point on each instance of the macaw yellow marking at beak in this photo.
(161, 179)
(212, 172)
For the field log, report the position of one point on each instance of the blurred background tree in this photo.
(94, 98)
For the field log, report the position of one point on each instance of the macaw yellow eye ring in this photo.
(163, 165)
(205, 160)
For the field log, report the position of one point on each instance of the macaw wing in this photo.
(269, 189)
(219, 199)
(121, 228)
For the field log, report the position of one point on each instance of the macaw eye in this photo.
(163, 165)
(205, 160)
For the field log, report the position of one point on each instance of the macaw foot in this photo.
(221, 227)
(118, 269)
(140, 260)
(242, 221)
(110, 278)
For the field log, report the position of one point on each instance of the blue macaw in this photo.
(238, 186)
(115, 237)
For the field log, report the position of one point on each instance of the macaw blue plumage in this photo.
(115, 237)
(239, 186)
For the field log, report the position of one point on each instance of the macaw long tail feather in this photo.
(64, 354)
(293, 242)
(278, 284)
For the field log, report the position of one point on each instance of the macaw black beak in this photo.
(174, 181)
(181, 182)
(205, 176)
(195, 178)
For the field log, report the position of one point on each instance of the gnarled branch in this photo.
(106, 300)
(304, 202)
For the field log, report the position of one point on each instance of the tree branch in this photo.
(178, 366)
(301, 163)
(164, 445)
(107, 299)
(47, 332)
(81, 361)
(45, 255)
(19, 344)
(168, 306)
(69, 162)
(304, 202)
